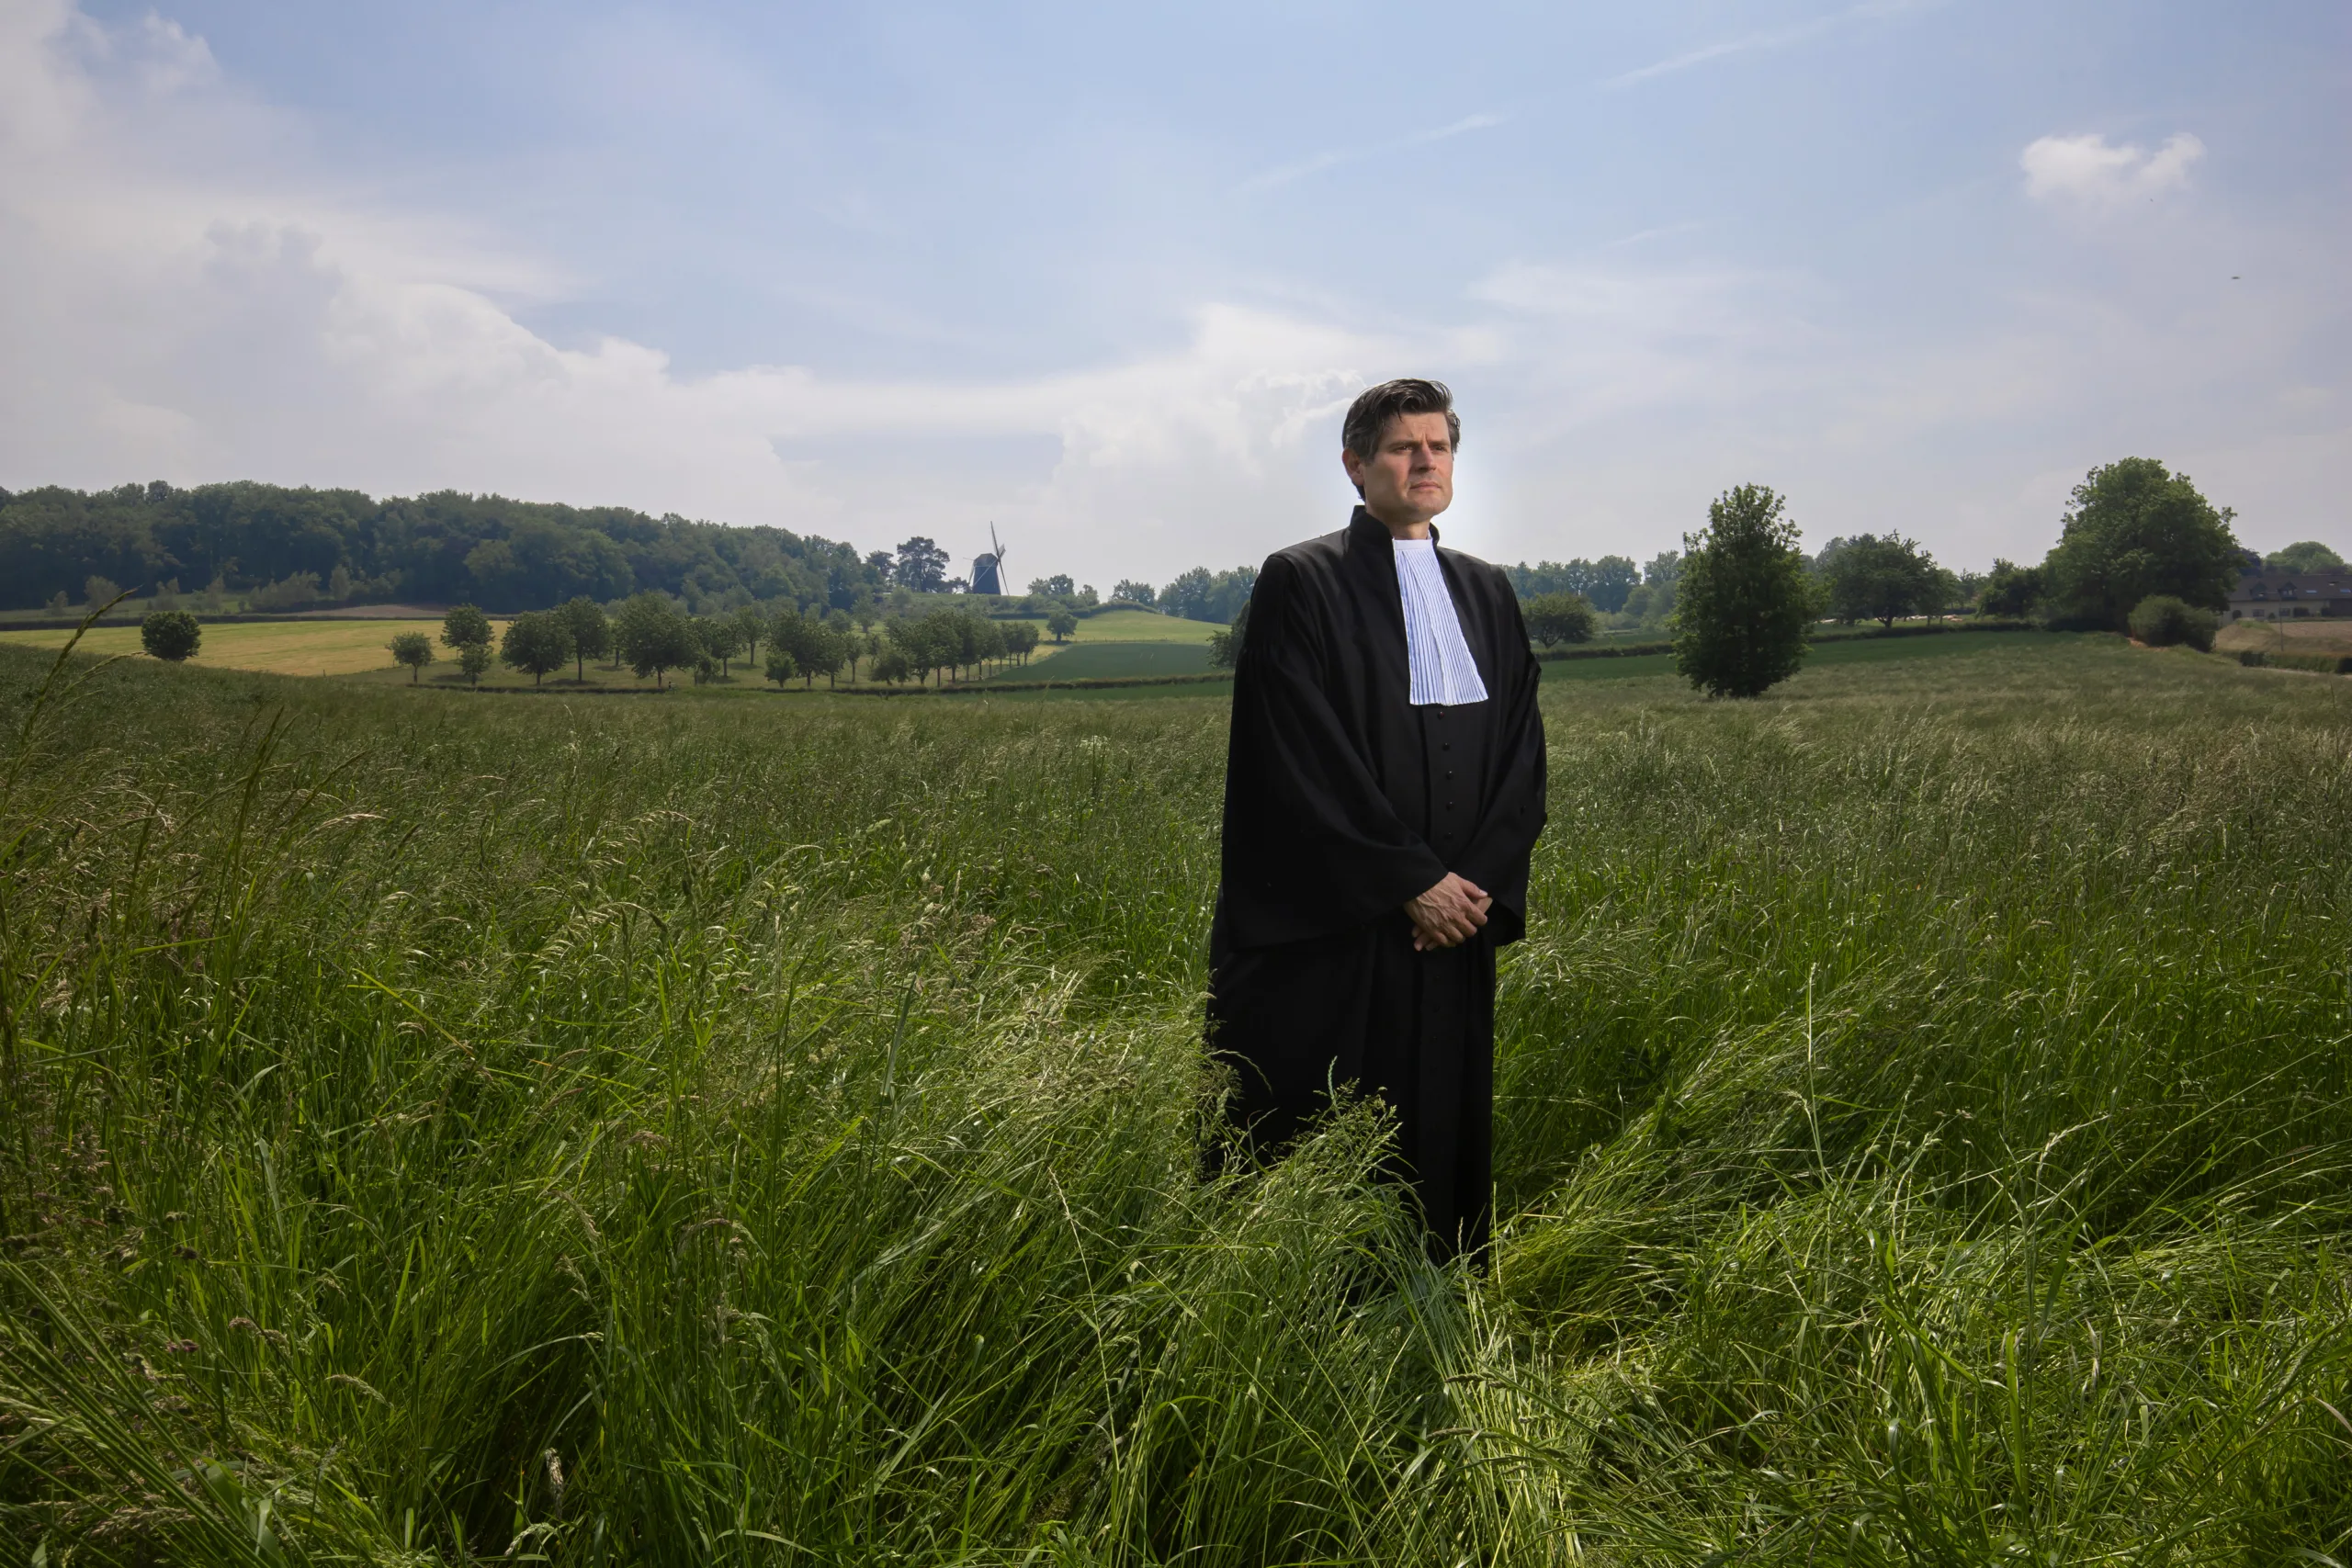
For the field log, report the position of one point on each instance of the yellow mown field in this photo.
(280, 647)
(2330, 635)
(358, 647)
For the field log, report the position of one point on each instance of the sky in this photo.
(1107, 276)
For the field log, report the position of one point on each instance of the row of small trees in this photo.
(650, 634)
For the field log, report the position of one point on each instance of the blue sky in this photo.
(1107, 274)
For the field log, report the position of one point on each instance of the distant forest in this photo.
(273, 547)
(440, 549)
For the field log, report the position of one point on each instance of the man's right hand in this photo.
(1449, 914)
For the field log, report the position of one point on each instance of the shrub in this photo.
(169, 635)
(1225, 646)
(2315, 663)
(290, 592)
(2160, 621)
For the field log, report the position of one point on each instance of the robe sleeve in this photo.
(1497, 856)
(1326, 851)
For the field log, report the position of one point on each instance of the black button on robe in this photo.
(1342, 801)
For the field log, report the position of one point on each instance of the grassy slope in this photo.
(1095, 660)
(1121, 642)
(1136, 626)
(1922, 1137)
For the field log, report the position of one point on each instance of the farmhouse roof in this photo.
(2268, 586)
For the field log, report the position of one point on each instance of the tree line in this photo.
(273, 546)
(652, 636)
(248, 546)
(2132, 530)
(2140, 549)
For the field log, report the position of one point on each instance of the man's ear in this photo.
(1353, 466)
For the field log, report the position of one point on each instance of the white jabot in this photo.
(1444, 671)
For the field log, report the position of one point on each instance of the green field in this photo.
(1137, 625)
(1122, 642)
(1084, 660)
(678, 1132)
(1827, 653)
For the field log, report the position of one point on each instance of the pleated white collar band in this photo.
(1444, 671)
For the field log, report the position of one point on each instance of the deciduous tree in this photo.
(916, 642)
(751, 628)
(591, 633)
(537, 642)
(465, 627)
(1880, 578)
(922, 566)
(1553, 618)
(2135, 528)
(721, 638)
(413, 650)
(1062, 625)
(654, 636)
(473, 658)
(819, 652)
(1613, 577)
(1021, 639)
(2010, 589)
(1742, 597)
(2298, 559)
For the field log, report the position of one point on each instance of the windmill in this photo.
(988, 570)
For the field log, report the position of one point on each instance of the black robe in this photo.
(1341, 802)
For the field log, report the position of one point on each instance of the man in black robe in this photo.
(1383, 789)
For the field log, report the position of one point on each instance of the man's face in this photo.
(1409, 477)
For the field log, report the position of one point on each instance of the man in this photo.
(1383, 788)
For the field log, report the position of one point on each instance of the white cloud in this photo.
(2087, 170)
(184, 295)
(177, 304)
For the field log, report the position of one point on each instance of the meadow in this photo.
(2330, 635)
(1117, 642)
(1095, 660)
(679, 1131)
(1137, 625)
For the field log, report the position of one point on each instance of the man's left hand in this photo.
(1449, 914)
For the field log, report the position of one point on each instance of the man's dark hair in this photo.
(1370, 414)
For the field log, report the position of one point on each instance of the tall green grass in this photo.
(444, 1130)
